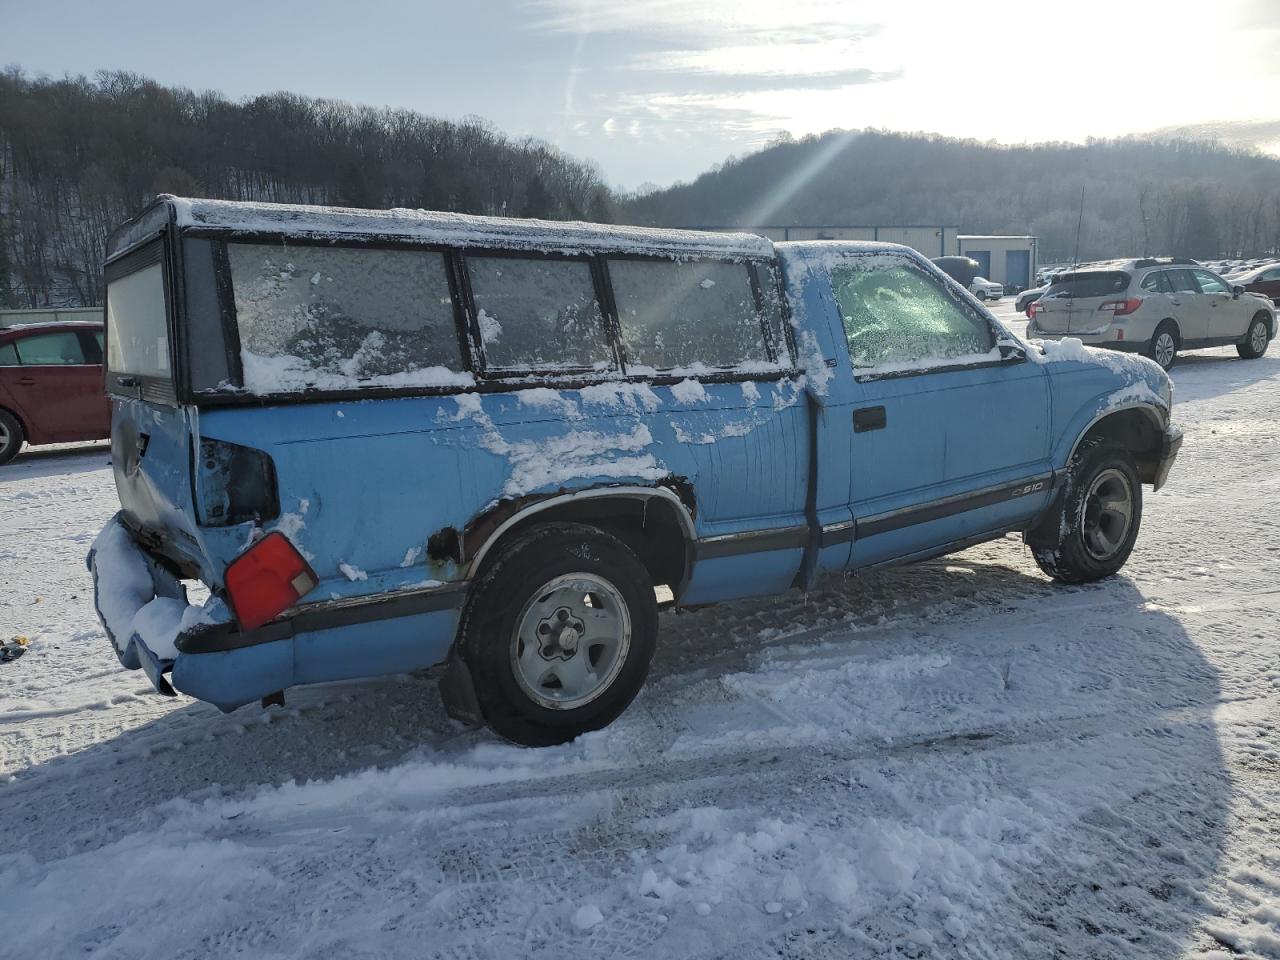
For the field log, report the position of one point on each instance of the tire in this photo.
(11, 436)
(525, 626)
(1256, 339)
(1163, 352)
(1082, 540)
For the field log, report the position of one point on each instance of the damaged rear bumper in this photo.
(201, 651)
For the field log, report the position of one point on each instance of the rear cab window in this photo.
(897, 318)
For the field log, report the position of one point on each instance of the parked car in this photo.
(1028, 297)
(960, 269)
(51, 387)
(1261, 280)
(392, 440)
(985, 289)
(1156, 306)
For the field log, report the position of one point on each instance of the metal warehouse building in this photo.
(1007, 260)
(933, 240)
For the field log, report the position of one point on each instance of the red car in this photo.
(1263, 280)
(51, 385)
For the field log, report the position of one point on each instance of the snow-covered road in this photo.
(953, 760)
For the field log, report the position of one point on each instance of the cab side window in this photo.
(900, 315)
(51, 349)
(1209, 283)
(8, 355)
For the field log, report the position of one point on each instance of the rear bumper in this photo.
(144, 611)
(1170, 444)
(1106, 339)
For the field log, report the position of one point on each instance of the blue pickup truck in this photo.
(387, 440)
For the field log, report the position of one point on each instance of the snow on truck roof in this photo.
(452, 229)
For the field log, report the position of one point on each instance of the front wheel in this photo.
(11, 436)
(1091, 534)
(1256, 340)
(558, 634)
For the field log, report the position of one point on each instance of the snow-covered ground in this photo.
(957, 759)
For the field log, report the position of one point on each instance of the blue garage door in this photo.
(1017, 269)
(984, 261)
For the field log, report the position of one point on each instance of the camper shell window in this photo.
(688, 314)
(304, 318)
(139, 355)
(333, 318)
(535, 314)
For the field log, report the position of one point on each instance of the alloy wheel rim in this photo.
(1259, 337)
(4, 436)
(1108, 514)
(1165, 348)
(570, 641)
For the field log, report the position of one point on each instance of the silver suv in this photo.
(1157, 307)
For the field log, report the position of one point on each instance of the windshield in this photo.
(1098, 283)
(137, 334)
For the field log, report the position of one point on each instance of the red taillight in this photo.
(1121, 307)
(267, 579)
(1033, 308)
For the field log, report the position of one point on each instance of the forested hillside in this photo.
(78, 156)
(1176, 197)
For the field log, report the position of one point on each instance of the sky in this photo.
(656, 91)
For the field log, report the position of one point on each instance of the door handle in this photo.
(26, 381)
(869, 418)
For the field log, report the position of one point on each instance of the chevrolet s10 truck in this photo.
(386, 440)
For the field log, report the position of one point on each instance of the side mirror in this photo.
(1011, 351)
(1236, 291)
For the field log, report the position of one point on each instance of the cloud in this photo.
(701, 65)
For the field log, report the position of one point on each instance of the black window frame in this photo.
(466, 324)
(152, 389)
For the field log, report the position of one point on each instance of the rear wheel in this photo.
(1163, 346)
(11, 436)
(1092, 533)
(1255, 341)
(558, 634)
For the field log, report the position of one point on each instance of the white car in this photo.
(1156, 306)
(985, 289)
